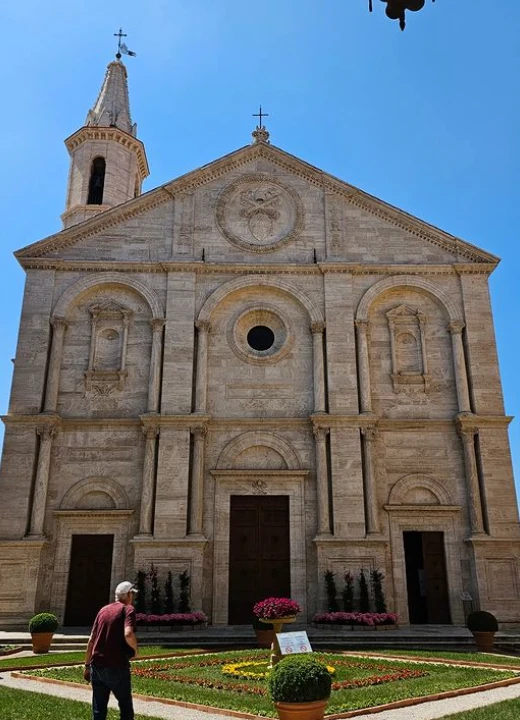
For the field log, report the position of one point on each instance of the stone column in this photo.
(59, 326)
(365, 393)
(151, 433)
(322, 482)
(155, 365)
(317, 329)
(467, 435)
(369, 479)
(201, 387)
(197, 482)
(46, 432)
(461, 376)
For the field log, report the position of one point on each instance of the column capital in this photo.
(361, 325)
(203, 326)
(199, 430)
(151, 431)
(320, 432)
(58, 323)
(157, 324)
(370, 432)
(456, 326)
(48, 429)
(318, 326)
(466, 432)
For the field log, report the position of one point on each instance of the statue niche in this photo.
(106, 371)
(408, 349)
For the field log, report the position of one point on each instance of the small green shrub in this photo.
(43, 623)
(299, 679)
(330, 587)
(364, 598)
(348, 593)
(482, 621)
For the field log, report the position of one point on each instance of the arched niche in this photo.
(418, 489)
(239, 446)
(97, 489)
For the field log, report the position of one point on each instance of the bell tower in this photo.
(108, 162)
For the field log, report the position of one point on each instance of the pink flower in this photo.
(274, 608)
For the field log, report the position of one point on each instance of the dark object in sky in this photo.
(396, 9)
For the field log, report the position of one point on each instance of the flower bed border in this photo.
(355, 620)
(171, 621)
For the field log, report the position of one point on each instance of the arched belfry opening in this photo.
(97, 181)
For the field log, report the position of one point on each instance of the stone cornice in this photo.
(322, 420)
(214, 268)
(460, 249)
(423, 509)
(93, 513)
(234, 472)
(94, 132)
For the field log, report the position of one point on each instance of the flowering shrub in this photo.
(354, 618)
(274, 608)
(194, 618)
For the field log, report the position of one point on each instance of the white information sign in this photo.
(292, 643)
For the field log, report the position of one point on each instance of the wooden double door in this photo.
(259, 554)
(426, 580)
(90, 571)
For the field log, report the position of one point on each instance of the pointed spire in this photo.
(112, 107)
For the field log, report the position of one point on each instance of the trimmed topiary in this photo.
(43, 623)
(481, 621)
(299, 678)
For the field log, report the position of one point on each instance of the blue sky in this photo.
(426, 119)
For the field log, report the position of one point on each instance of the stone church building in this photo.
(255, 372)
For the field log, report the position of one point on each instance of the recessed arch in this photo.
(77, 289)
(233, 286)
(407, 281)
(407, 483)
(72, 498)
(255, 439)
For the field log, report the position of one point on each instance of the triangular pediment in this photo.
(448, 248)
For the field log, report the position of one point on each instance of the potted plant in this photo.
(264, 632)
(42, 627)
(300, 686)
(483, 625)
(276, 612)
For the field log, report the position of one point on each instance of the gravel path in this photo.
(153, 709)
(423, 711)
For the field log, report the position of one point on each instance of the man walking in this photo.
(111, 644)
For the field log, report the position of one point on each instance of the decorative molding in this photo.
(105, 485)
(95, 133)
(83, 285)
(239, 158)
(233, 286)
(262, 198)
(404, 485)
(238, 445)
(422, 510)
(408, 282)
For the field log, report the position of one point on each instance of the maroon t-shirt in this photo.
(108, 635)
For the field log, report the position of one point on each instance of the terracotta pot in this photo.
(264, 638)
(301, 711)
(41, 642)
(484, 640)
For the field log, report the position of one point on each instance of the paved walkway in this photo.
(423, 711)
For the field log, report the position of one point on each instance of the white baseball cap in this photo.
(124, 588)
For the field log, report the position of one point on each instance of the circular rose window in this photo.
(260, 335)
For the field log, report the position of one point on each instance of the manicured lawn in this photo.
(57, 658)
(20, 705)
(461, 656)
(508, 710)
(358, 682)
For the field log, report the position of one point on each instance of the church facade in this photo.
(254, 373)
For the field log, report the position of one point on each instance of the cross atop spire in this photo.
(260, 133)
(121, 47)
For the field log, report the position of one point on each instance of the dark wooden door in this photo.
(90, 571)
(428, 601)
(259, 553)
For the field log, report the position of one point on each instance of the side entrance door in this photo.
(90, 571)
(259, 553)
(428, 602)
